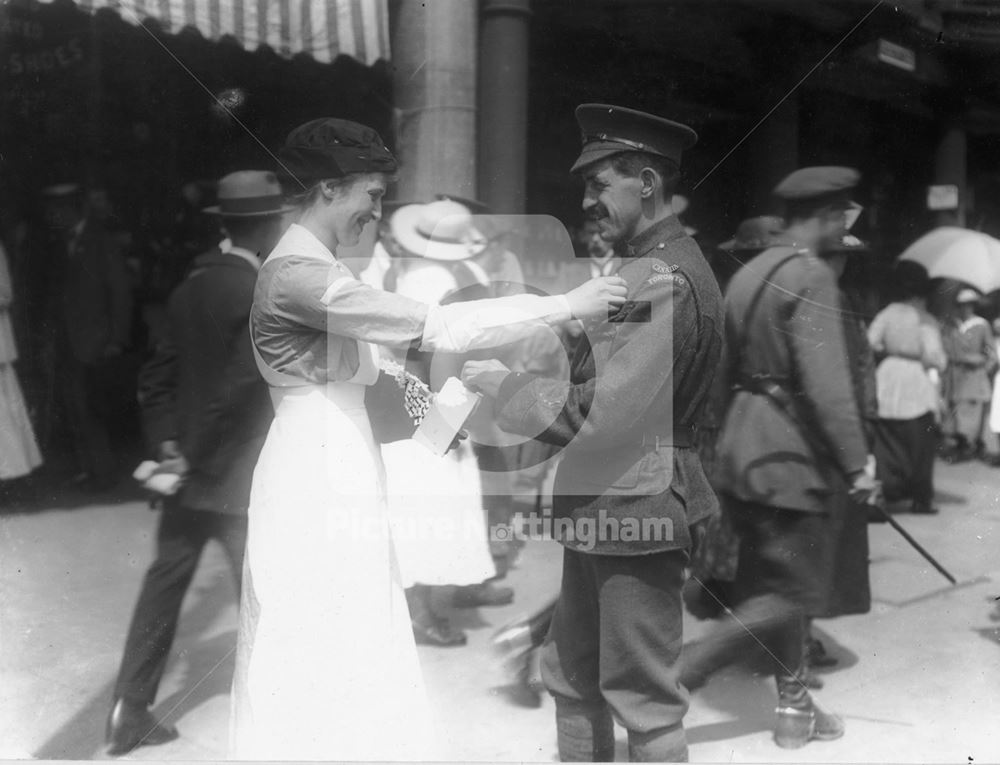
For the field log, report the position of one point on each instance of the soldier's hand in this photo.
(865, 489)
(457, 440)
(484, 376)
(597, 298)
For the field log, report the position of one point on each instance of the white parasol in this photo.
(967, 256)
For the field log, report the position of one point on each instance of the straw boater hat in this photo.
(441, 230)
(248, 193)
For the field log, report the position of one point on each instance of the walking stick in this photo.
(913, 542)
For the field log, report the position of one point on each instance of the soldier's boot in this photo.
(585, 732)
(800, 718)
(661, 745)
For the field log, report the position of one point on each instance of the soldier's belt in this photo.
(682, 437)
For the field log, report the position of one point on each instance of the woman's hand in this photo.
(484, 376)
(597, 298)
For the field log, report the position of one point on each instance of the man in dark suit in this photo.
(93, 296)
(206, 413)
(792, 451)
(630, 485)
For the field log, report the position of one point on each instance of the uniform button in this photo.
(661, 246)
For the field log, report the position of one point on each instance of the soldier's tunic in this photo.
(326, 663)
(792, 459)
(626, 419)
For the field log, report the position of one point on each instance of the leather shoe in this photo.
(922, 508)
(485, 594)
(130, 725)
(438, 632)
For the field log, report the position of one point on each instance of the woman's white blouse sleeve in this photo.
(460, 327)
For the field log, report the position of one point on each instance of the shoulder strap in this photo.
(755, 301)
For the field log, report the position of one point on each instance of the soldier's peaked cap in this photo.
(609, 130)
(815, 182)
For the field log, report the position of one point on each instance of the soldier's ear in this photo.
(650, 182)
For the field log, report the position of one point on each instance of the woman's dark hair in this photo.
(910, 280)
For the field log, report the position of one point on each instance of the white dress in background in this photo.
(435, 503)
(19, 453)
(326, 665)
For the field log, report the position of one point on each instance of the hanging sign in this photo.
(942, 197)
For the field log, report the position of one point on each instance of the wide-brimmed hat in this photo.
(441, 230)
(248, 193)
(757, 233)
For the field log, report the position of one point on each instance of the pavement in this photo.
(918, 678)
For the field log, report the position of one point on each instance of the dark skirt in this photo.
(904, 453)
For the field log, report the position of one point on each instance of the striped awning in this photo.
(323, 29)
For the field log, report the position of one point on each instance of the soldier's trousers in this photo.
(611, 652)
(780, 578)
(181, 537)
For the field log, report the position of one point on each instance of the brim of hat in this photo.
(595, 151)
(216, 210)
(403, 225)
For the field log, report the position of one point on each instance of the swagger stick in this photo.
(913, 542)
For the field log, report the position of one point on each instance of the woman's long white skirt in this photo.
(326, 663)
(19, 453)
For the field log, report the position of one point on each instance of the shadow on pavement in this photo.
(748, 700)
(208, 672)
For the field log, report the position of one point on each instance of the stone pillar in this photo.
(503, 103)
(950, 168)
(434, 60)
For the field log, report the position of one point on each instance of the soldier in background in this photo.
(793, 453)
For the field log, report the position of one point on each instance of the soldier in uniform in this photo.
(792, 448)
(626, 421)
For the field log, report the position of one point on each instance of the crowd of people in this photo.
(763, 429)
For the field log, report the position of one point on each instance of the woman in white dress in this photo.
(326, 664)
(436, 505)
(19, 453)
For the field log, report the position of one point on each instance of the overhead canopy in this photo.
(323, 29)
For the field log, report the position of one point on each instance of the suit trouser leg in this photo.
(90, 435)
(231, 531)
(180, 539)
(615, 640)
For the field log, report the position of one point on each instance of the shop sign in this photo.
(942, 197)
(896, 55)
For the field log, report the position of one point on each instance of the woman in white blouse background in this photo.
(326, 663)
